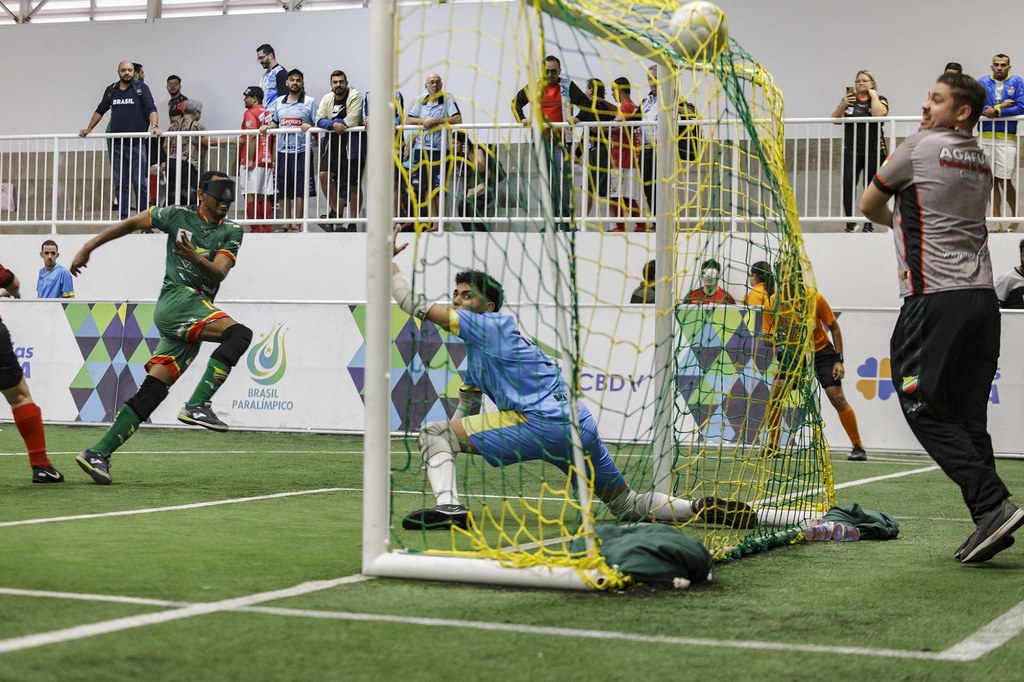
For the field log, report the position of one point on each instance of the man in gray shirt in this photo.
(945, 347)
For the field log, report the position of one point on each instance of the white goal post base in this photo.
(473, 570)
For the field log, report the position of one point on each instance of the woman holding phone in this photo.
(864, 146)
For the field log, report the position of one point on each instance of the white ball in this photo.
(699, 31)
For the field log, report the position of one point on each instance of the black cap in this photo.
(253, 91)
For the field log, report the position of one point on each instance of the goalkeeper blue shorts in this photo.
(509, 437)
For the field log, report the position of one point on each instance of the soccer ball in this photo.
(698, 31)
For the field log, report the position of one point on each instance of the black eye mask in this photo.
(221, 189)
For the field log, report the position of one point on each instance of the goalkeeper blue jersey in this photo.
(511, 371)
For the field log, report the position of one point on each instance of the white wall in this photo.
(813, 48)
(852, 271)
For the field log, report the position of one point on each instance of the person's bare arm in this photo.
(874, 204)
(838, 370)
(12, 290)
(139, 221)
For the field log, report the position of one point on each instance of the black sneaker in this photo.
(202, 415)
(857, 454)
(850, 227)
(724, 512)
(1005, 543)
(868, 227)
(96, 465)
(990, 537)
(46, 475)
(441, 517)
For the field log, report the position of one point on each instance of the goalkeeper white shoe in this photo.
(441, 517)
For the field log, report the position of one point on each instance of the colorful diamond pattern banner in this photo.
(116, 340)
(723, 373)
(425, 363)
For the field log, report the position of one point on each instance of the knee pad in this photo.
(437, 438)
(150, 395)
(233, 343)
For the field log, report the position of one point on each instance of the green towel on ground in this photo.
(653, 554)
(873, 525)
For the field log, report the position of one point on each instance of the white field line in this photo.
(181, 613)
(848, 484)
(985, 640)
(176, 507)
(122, 453)
(258, 498)
(989, 638)
(875, 479)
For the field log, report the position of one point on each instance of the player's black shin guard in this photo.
(233, 343)
(150, 395)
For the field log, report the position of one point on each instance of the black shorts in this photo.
(824, 362)
(334, 159)
(10, 367)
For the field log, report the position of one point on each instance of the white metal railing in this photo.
(483, 177)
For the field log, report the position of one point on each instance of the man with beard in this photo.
(274, 76)
(295, 110)
(132, 110)
(945, 347)
(201, 250)
(339, 110)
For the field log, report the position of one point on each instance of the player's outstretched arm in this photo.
(416, 305)
(139, 221)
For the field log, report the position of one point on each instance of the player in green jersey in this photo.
(201, 250)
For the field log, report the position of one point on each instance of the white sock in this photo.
(658, 506)
(441, 474)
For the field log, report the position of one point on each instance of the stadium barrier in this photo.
(64, 183)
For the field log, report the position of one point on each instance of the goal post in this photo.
(699, 396)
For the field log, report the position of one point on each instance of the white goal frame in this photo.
(378, 558)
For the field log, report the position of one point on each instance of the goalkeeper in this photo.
(532, 421)
(201, 250)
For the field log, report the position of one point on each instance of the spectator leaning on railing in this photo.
(1004, 97)
(863, 143)
(131, 111)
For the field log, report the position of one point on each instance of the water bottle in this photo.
(823, 531)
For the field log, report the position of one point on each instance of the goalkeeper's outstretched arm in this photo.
(412, 303)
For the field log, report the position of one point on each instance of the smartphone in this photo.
(849, 90)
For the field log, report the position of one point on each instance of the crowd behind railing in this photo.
(486, 178)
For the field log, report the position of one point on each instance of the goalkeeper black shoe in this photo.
(725, 512)
(202, 415)
(858, 454)
(441, 517)
(96, 465)
(46, 475)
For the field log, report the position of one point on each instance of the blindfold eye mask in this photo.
(221, 189)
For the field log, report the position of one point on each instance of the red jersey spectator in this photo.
(257, 159)
(710, 291)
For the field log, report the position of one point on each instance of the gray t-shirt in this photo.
(941, 181)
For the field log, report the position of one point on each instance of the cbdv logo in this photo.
(876, 381)
(23, 355)
(267, 359)
(610, 382)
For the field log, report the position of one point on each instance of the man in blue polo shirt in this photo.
(296, 110)
(132, 110)
(432, 110)
(54, 279)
